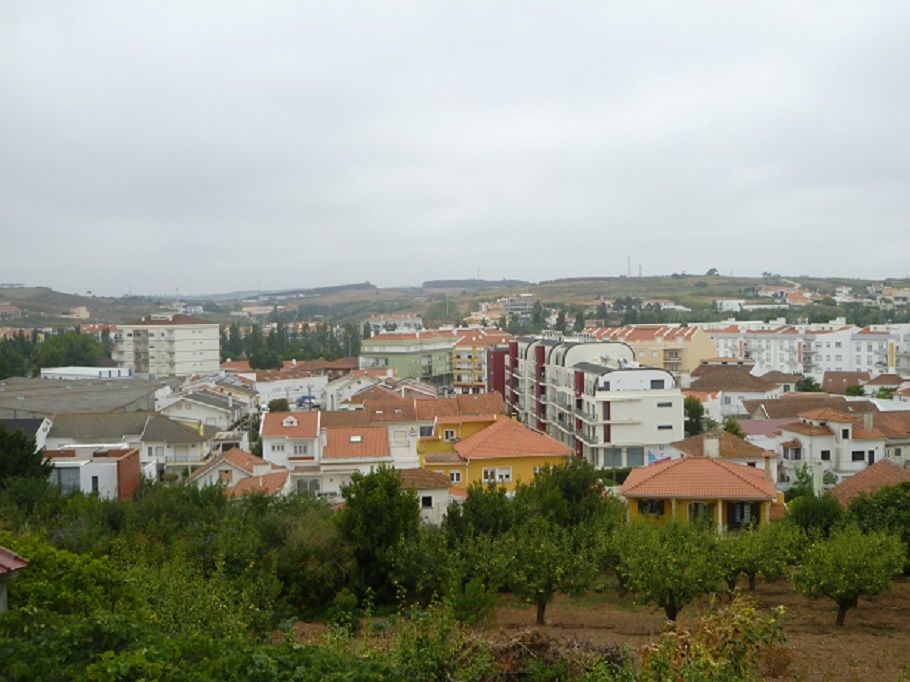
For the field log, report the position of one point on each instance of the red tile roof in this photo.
(480, 403)
(270, 484)
(243, 460)
(886, 380)
(730, 445)
(10, 562)
(508, 438)
(367, 441)
(881, 474)
(701, 478)
(828, 415)
(307, 424)
(837, 382)
(807, 429)
(421, 479)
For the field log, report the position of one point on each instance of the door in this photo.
(871, 457)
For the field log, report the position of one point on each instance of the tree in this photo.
(670, 565)
(888, 509)
(70, 348)
(265, 359)
(816, 514)
(855, 390)
(694, 413)
(367, 330)
(375, 519)
(767, 549)
(808, 385)
(561, 321)
(731, 425)
(19, 459)
(537, 314)
(13, 362)
(565, 495)
(487, 510)
(279, 405)
(712, 272)
(602, 313)
(579, 323)
(543, 562)
(849, 565)
(254, 341)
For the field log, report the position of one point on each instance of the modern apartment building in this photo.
(168, 344)
(469, 359)
(676, 348)
(425, 355)
(595, 398)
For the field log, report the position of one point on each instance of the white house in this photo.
(204, 407)
(109, 473)
(432, 490)
(290, 438)
(241, 472)
(36, 427)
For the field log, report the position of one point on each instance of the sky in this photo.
(216, 146)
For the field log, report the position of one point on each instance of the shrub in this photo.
(344, 611)
(472, 602)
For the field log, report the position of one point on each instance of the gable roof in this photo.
(480, 403)
(837, 382)
(421, 479)
(807, 429)
(886, 380)
(28, 426)
(730, 445)
(426, 410)
(880, 475)
(87, 427)
(508, 438)
(216, 400)
(307, 424)
(268, 484)
(790, 405)
(366, 441)
(732, 379)
(827, 414)
(243, 460)
(701, 478)
(332, 418)
(10, 562)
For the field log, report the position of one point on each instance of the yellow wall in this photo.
(682, 511)
(522, 467)
(438, 444)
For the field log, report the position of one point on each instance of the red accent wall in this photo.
(128, 475)
(496, 369)
(579, 383)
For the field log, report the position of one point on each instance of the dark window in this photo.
(657, 383)
(701, 511)
(664, 427)
(858, 456)
(651, 507)
(741, 514)
(826, 455)
(635, 457)
(612, 457)
(665, 404)
(94, 484)
(426, 501)
(845, 433)
(426, 431)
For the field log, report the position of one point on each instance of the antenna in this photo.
(629, 266)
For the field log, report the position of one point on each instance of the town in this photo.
(740, 434)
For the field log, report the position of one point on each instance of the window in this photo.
(426, 502)
(277, 447)
(664, 427)
(665, 404)
(858, 456)
(300, 448)
(66, 479)
(651, 507)
(826, 455)
(455, 476)
(612, 457)
(728, 400)
(845, 433)
(449, 434)
(504, 474)
(95, 484)
(426, 431)
(701, 511)
(635, 456)
(657, 384)
(308, 486)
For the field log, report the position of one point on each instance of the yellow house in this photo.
(493, 449)
(700, 488)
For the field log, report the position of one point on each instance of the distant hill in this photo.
(472, 283)
(315, 291)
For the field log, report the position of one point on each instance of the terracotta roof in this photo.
(732, 379)
(807, 429)
(175, 319)
(828, 415)
(306, 426)
(837, 382)
(781, 377)
(508, 438)
(480, 403)
(482, 337)
(894, 424)
(763, 427)
(390, 410)
(367, 441)
(886, 380)
(790, 405)
(10, 562)
(442, 458)
(344, 418)
(243, 460)
(702, 478)
(466, 418)
(426, 410)
(270, 484)
(881, 474)
(730, 445)
(421, 479)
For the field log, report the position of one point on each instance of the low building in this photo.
(728, 447)
(108, 473)
(23, 398)
(76, 373)
(241, 473)
(10, 565)
(206, 407)
(432, 490)
(869, 481)
(710, 489)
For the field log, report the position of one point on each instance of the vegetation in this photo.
(855, 390)
(731, 425)
(694, 411)
(18, 459)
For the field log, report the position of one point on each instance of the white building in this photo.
(406, 322)
(594, 398)
(110, 473)
(86, 373)
(204, 407)
(169, 344)
(241, 472)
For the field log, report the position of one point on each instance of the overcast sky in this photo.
(218, 146)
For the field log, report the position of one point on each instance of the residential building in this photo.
(290, 438)
(10, 312)
(735, 385)
(710, 489)
(469, 359)
(36, 428)
(593, 397)
(519, 307)
(432, 490)
(493, 450)
(23, 398)
(869, 481)
(241, 473)
(172, 344)
(113, 473)
(205, 407)
(676, 348)
(410, 322)
(729, 447)
(425, 355)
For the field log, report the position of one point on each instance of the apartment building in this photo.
(423, 355)
(168, 344)
(595, 398)
(411, 322)
(673, 347)
(469, 359)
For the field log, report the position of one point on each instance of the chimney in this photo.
(768, 477)
(867, 421)
(231, 400)
(711, 445)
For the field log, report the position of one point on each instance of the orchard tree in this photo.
(670, 565)
(816, 513)
(888, 509)
(694, 421)
(543, 560)
(265, 359)
(848, 565)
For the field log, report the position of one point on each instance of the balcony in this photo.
(585, 438)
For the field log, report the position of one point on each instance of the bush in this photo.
(816, 514)
(472, 602)
(344, 611)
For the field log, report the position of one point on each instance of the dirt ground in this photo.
(872, 646)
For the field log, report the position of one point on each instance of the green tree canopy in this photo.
(265, 359)
(731, 425)
(694, 416)
(808, 385)
(848, 565)
(888, 509)
(70, 348)
(855, 390)
(279, 405)
(18, 458)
